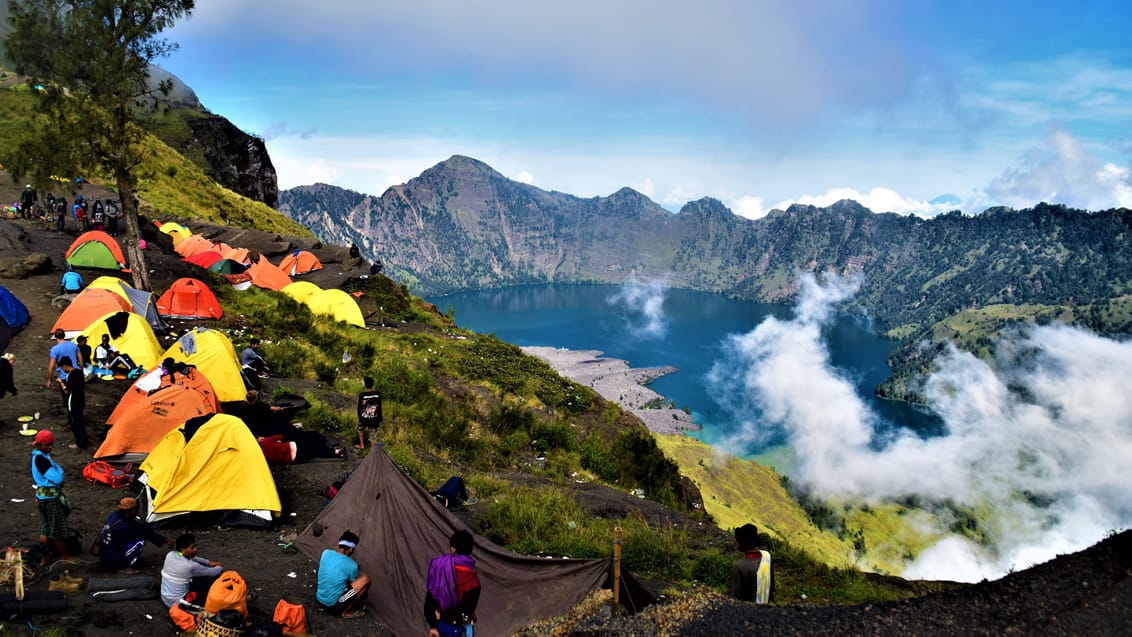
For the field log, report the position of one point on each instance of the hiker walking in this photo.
(28, 201)
(60, 215)
(112, 215)
(74, 393)
(341, 587)
(369, 414)
(123, 537)
(453, 589)
(53, 508)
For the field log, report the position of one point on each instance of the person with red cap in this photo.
(53, 507)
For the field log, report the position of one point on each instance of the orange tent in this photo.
(239, 255)
(189, 298)
(192, 244)
(300, 262)
(267, 276)
(90, 305)
(96, 249)
(142, 418)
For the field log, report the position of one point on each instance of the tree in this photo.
(87, 63)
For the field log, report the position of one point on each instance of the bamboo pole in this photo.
(616, 565)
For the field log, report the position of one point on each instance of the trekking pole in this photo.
(616, 565)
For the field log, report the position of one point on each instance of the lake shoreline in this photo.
(614, 380)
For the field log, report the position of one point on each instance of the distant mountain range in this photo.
(461, 225)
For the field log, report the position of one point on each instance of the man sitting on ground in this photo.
(341, 587)
(251, 359)
(107, 356)
(186, 577)
(72, 282)
(124, 536)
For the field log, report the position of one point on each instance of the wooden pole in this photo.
(616, 565)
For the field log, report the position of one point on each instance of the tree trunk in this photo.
(132, 235)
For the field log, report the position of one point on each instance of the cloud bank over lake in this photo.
(1036, 443)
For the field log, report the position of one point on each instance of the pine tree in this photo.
(87, 63)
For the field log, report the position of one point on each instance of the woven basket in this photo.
(208, 628)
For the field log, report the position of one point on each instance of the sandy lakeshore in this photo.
(615, 381)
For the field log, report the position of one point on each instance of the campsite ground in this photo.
(1089, 593)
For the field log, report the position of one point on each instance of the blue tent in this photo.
(13, 316)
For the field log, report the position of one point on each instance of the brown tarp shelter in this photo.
(402, 528)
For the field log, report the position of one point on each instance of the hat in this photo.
(44, 437)
(127, 504)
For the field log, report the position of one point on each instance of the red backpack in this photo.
(106, 473)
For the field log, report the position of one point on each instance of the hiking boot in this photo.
(68, 585)
(67, 577)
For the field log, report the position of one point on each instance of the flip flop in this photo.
(26, 418)
(28, 432)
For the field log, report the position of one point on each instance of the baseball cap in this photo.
(44, 437)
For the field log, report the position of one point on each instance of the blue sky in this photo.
(759, 104)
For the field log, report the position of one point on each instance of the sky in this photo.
(910, 107)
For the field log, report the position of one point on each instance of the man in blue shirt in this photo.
(62, 348)
(341, 588)
(72, 282)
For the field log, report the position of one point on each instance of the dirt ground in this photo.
(272, 571)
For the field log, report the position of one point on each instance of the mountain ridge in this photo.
(462, 225)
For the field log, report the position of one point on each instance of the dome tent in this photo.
(13, 316)
(189, 298)
(300, 262)
(210, 467)
(96, 249)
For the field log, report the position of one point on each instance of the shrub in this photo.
(713, 568)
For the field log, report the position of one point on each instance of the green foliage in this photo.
(713, 567)
(504, 365)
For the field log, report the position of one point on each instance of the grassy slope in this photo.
(738, 491)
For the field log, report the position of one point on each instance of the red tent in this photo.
(188, 299)
(204, 259)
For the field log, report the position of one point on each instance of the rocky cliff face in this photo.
(233, 158)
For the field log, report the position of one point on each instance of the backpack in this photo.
(292, 617)
(106, 473)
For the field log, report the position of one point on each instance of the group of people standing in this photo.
(86, 214)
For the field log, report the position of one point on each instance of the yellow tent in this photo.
(176, 231)
(212, 353)
(338, 305)
(219, 470)
(301, 290)
(129, 334)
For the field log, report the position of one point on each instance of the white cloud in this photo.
(525, 178)
(1039, 442)
(643, 304)
(877, 199)
(748, 206)
(1060, 170)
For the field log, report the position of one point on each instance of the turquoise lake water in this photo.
(685, 329)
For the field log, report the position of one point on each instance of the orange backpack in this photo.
(292, 617)
(228, 591)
